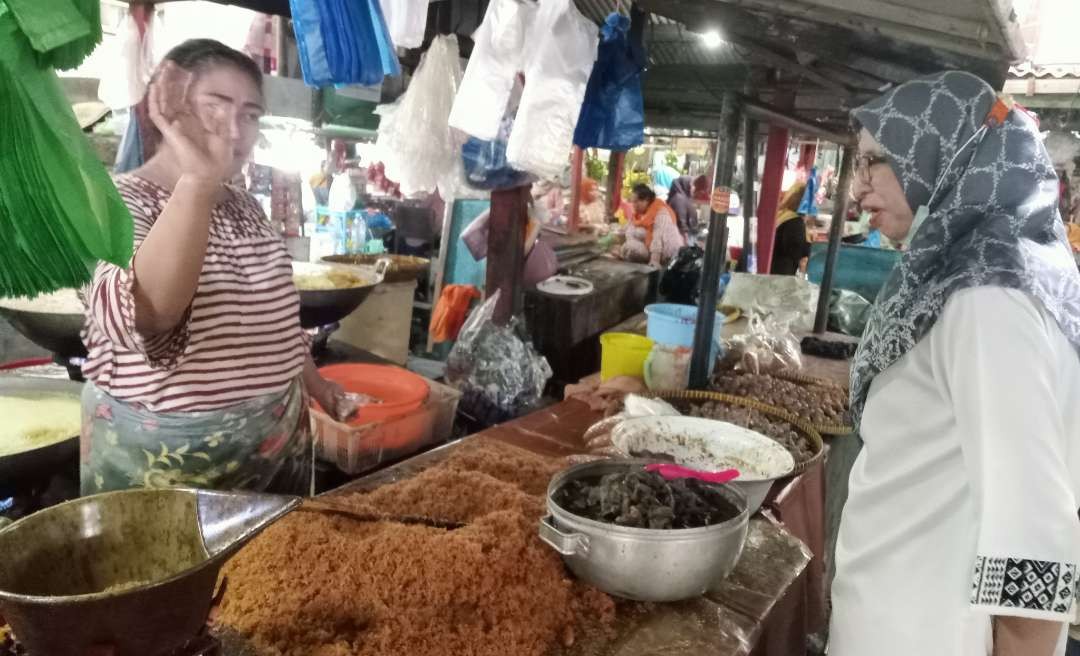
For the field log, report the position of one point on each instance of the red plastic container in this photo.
(399, 391)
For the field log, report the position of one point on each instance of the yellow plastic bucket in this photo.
(623, 354)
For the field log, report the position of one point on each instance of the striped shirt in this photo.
(240, 337)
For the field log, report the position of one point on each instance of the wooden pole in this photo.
(577, 162)
(716, 245)
(836, 232)
(616, 167)
(506, 252)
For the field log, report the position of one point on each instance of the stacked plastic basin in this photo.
(673, 325)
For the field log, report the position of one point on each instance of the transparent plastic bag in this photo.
(598, 439)
(848, 312)
(418, 148)
(790, 298)
(769, 345)
(499, 373)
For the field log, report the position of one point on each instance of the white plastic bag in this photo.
(562, 50)
(790, 298)
(497, 57)
(343, 194)
(420, 151)
(406, 20)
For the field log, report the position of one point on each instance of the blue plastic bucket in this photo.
(674, 324)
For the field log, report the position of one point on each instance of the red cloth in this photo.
(450, 311)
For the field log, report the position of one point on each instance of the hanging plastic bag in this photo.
(343, 42)
(613, 114)
(417, 146)
(497, 58)
(406, 20)
(499, 373)
(485, 164)
(808, 205)
(309, 42)
(562, 50)
(59, 211)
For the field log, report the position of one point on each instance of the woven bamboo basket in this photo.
(801, 426)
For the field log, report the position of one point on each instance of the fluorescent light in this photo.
(712, 39)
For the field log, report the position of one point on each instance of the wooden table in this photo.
(730, 621)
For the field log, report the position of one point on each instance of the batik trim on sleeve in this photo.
(1036, 585)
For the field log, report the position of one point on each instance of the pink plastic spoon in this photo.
(671, 472)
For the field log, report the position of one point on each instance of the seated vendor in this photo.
(652, 236)
(198, 370)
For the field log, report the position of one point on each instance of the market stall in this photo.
(683, 500)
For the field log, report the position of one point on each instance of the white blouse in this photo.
(963, 502)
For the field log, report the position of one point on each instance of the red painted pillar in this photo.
(771, 180)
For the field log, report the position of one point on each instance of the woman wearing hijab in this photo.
(681, 200)
(651, 235)
(960, 534)
(592, 210)
(791, 250)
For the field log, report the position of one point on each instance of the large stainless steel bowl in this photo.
(638, 563)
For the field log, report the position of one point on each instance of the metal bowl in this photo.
(710, 445)
(134, 569)
(321, 307)
(638, 563)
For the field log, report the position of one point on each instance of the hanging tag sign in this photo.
(721, 200)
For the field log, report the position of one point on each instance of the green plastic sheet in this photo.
(59, 210)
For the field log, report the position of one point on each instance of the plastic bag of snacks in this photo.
(768, 346)
(499, 373)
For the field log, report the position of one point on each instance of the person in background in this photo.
(960, 535)
(592, 211)
(198, 371)
(681, 200)
(662, 177)
(791, 250)
(652, 235)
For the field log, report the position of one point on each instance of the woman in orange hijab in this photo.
(652, 236)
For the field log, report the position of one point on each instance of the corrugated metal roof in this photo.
(664, 40)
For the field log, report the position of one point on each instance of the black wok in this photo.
(55, 332)
(321, 307)
(46, 461)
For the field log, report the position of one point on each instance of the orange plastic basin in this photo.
(399, 390)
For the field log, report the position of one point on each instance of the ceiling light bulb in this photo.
(711, 39)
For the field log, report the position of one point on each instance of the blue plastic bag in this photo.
(309, 41)
(613, 114)
(809, 199)
(343, 42)
(485, 162)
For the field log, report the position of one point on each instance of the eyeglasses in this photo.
(864, 164)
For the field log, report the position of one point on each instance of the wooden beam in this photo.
(768, 114)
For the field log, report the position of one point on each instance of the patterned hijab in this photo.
(993, 222)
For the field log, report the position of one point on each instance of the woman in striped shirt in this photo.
(198, 370)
